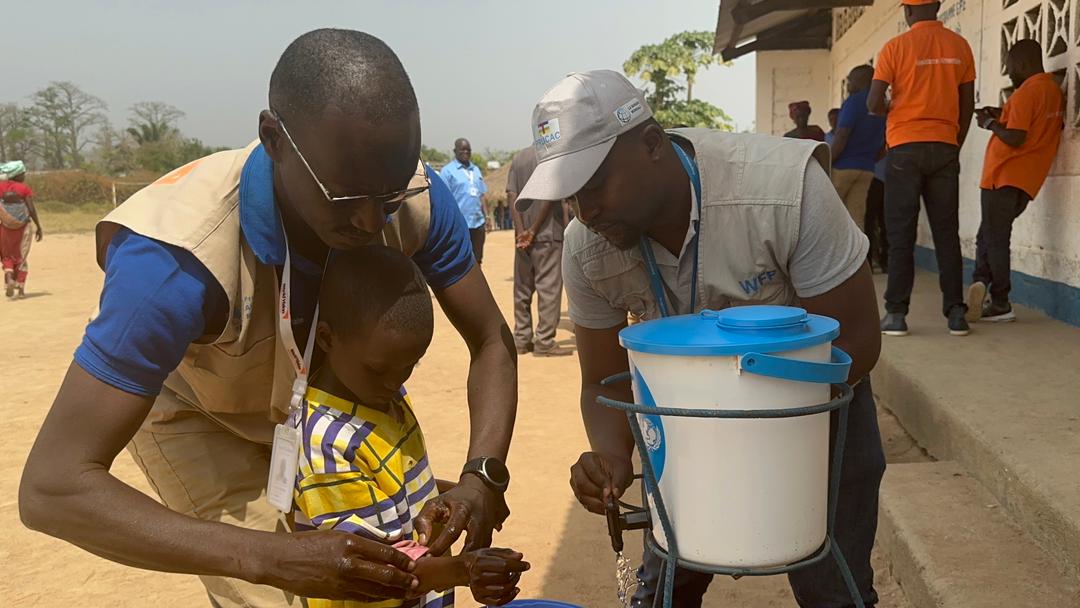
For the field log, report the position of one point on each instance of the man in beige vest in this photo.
(211, 281)
(723, 220)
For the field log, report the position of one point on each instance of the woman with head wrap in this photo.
(16, 212)
(799, 111)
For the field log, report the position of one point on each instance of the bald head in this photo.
(463, 150)
(343, 123)
(859, 78)
(1024, 60)
(351, 71)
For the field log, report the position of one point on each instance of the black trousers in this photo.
(875, 224)
(478, 236)
(929, 170)
(1000, 208)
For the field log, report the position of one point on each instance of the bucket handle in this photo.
(833, 372)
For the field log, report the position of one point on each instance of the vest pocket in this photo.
(230, 382)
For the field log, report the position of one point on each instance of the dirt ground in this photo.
(569, 548)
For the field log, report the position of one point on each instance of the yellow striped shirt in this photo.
(365, 472)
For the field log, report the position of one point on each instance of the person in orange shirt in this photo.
(931, 71)
(1023, 144)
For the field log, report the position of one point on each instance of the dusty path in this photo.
(568, 547)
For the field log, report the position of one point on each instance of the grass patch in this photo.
(57, 217)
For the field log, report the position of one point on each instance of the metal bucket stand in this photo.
(671, 558)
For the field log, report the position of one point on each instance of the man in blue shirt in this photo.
(833, 115)
(466, 182)
(857, 144)
(190, 326)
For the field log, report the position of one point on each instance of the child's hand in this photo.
(494, 575)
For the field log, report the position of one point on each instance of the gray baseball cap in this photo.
(574, 127)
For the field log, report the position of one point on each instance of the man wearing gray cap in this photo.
(673, 222)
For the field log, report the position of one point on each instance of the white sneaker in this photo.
(999, 314)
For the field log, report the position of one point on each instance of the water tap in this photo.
(618, 522)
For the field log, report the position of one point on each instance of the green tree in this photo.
(114, 151)
(153, 121)
(433, 156)
(480, 160)
(502, 156)
(170, 152)
(672, 67)
(694, 113)
(17, 137)
(64, 114)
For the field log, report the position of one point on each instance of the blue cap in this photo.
(731, 332)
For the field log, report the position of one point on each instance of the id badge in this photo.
(284, 460)
(474, 191)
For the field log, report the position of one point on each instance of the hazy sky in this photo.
(478, 67)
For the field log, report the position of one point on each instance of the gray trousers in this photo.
(537, 269)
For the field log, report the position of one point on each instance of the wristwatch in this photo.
(490, 470)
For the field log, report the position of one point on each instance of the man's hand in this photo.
(68, 492)
(494, 575)
(336, 565)
(597, 477)
(525, 239)
(471, 507)
(983, 117)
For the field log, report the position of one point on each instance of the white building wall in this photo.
(787, 76)
(1046, 239)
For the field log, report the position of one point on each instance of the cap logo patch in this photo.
(626, 112)
(547, 132)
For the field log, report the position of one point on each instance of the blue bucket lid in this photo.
(731, 332)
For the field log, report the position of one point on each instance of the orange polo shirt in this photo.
(925, 67)
(1037, 107)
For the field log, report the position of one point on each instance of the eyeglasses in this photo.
(391, 201)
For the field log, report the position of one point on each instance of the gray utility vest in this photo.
(751, 197)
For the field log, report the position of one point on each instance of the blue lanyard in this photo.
(646, 248)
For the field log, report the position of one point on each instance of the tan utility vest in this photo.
(751, 197)
(242, 377)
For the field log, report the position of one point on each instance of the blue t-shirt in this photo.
(158, 298)
(467, 184)
(867, 134)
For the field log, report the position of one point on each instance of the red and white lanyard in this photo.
(301, 361)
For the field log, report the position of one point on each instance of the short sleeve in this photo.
(19, 188)
(969, 64)
(849, 114)
(513, 179)
(157, 300)
(831, 248)
(343, 494)
(483, 184)
(885, 66)
(1023, 110)
(447, 255)
(447, 174)
(587, 308)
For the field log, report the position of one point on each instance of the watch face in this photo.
(496, 471)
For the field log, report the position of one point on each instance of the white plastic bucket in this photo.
(738, 492)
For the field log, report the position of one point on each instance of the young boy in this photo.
(363, 463)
